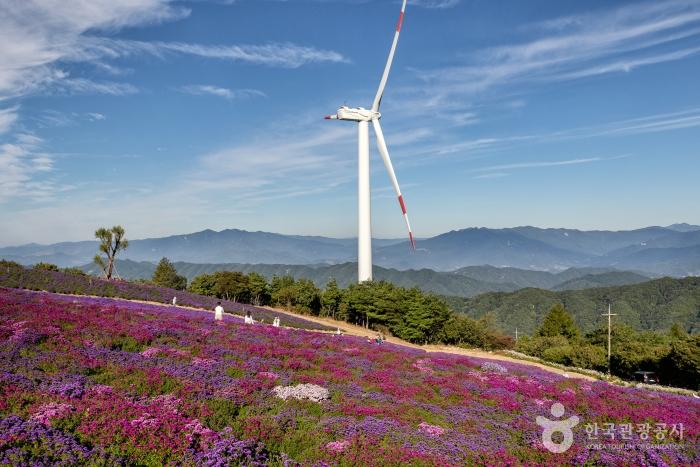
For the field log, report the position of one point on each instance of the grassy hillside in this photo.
(13, 275)
(652, 305)
(96, 381)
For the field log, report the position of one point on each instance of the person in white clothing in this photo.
(174, 301)
(219, 312)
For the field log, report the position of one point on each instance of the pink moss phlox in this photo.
(51, 410)
(150, 352)
(337, 446)
(204, 362)
(423, 365)
(431, 430)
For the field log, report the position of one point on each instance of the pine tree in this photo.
(558, 322)
(283, 291)
(308, 297)
(331, 299)
(259, 289)
(166, 275)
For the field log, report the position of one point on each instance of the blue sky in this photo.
(173, 117)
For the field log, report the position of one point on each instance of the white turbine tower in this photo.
(363, 116)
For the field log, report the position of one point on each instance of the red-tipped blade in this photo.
(390, 59)
(384, 152)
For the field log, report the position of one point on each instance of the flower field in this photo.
(16, 276)
(106, 382)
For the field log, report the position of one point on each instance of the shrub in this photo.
(589, 356)
(74, 271)
(537, 345)
(222, 414)
(46, 267)
(682, 365)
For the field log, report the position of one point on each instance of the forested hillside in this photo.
(652, 305)
(465, 282)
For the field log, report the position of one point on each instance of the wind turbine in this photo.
(363, 116)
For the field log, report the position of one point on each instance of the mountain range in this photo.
(673, 250)
(465, 282)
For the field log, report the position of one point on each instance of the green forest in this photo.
(674, 355)
(649, 306)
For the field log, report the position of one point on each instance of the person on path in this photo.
(219, 312)
(174, 301)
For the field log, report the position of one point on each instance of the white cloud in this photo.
(689, 118)
(204, 89)
(529, 165)
(87, 86)
(278, 164)
(8, 116)
(21, 165)
(286, 55)
(95, 116)
(37, 34)
(491, 175)
(434, 3)
(476, 148)
(602, 42)
(37, 37)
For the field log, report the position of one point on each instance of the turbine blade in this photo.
(381, 144)
(387, 67)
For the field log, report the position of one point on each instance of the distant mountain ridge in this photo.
(672, 250)
(474, 281)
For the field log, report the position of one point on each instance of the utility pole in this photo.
(609, 315)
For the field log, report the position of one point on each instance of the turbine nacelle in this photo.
(358, 114)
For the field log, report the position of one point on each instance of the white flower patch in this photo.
(494, 367)
(312, 392)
